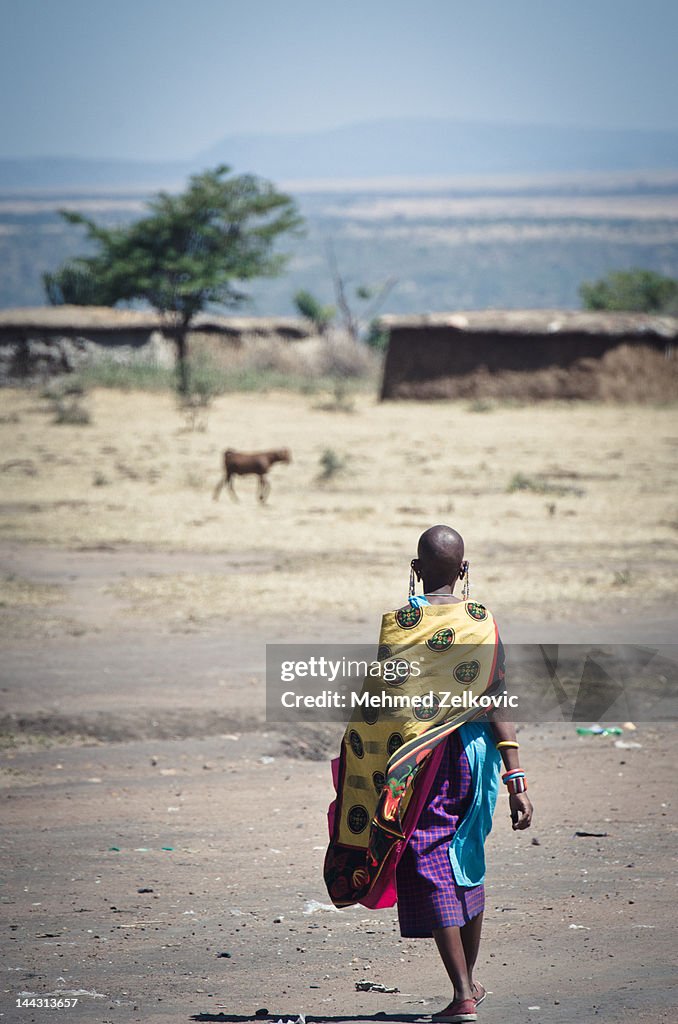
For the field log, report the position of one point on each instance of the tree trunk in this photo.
(183, 378)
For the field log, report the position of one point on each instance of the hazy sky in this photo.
(163, 79)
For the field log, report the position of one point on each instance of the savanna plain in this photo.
(163, 843)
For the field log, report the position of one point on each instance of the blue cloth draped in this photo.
(467, 848)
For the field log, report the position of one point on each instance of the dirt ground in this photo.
(153, 822)
(564, 506)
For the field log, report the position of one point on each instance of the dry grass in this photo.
(16, 592)
(27, 610)
(409, 465)
(307, 365)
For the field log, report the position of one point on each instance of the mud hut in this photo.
(55, 339)
(531, 354)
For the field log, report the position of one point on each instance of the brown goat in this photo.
(242, 463)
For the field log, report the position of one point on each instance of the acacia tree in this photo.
(638, 290)
(191, 250)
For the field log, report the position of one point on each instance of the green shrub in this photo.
(638, 290)
(331, 464)
(71, 413)
(309, 307)
(540, 485)
(377, 337)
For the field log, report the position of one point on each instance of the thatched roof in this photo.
(540, 322)
(103, 318)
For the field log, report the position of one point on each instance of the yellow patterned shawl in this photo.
(384, 749)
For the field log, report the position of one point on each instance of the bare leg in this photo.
(453, 955)
(470, 940)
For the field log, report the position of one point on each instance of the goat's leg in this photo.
(217, 489)
(231, 488)
(264, 488)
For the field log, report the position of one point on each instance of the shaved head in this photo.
(441, 547)
(440, 555)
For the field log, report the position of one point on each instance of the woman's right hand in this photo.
(521, 810)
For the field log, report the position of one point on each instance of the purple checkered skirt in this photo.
(428, 896)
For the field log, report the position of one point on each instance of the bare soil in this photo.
(136, 755)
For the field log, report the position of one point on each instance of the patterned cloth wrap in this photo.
(385, 749)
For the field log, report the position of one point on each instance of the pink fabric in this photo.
(332, 809)
(384, 892)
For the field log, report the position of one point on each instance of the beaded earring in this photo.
(412, 581)
(464, 575)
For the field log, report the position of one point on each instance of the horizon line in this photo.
(345, 126)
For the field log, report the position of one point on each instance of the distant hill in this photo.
(446, 147)
(379, 149)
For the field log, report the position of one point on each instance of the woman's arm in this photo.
(519, 803)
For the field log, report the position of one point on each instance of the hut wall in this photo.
(430, 360)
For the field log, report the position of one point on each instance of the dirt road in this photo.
(162, 846)
(153, 821)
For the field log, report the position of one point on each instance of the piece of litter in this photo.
(623, 745)
(114, 848)
(266, 759)
(166, 847)
(374, 986)
(313, 906)
(534, 1007)
(593, 835)
(579, 927)
(144, 890)
(629, 726)
(599, 730)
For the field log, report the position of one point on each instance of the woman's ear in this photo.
(417, 570)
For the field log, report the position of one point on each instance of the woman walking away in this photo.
(417, 783)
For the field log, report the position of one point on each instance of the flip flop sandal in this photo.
(479, 993)
(460, 1012)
